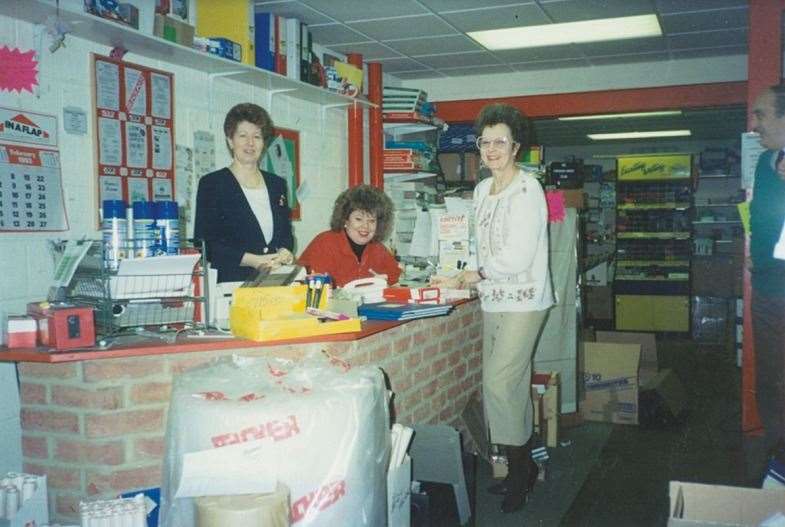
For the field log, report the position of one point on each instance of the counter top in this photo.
(186, 343)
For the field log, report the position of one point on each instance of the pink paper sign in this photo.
(555, 200)
(18, 70)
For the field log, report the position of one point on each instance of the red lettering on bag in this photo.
(275, 429)
(318, 500)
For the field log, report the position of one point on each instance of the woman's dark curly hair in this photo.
(366, 198)
(254, 114)
(499, 113)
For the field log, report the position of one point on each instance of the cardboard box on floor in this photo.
(698, 505)
(648, 342)
(610, 375)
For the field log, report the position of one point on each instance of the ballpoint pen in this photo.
(309, 293)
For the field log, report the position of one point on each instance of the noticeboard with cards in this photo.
(31, 191)
(134, 123)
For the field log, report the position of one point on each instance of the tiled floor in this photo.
(618, 475)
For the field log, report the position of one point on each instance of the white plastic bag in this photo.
(319, 426)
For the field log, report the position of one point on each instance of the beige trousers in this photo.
(508, 344)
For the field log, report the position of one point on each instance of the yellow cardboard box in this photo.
(276, 313)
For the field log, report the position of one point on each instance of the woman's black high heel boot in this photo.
(521, 477)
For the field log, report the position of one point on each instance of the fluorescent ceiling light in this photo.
(620, 115)
(640, 135)
(569, 32)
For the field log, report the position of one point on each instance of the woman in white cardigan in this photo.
(514, 285)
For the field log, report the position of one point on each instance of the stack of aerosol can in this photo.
(17, 494)
(122, 512)
(144, 229)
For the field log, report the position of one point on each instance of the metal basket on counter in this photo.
(143, 292)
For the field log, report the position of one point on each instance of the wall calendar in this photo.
(31, 191)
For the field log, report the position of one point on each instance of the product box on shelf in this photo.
(173, 30)
(64, 326)
(654, 167)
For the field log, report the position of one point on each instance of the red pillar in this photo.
(375, 126)
(764, 68)
(355, 133)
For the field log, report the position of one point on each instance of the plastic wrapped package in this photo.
(241, 425)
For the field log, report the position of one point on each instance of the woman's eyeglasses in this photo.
(500, 143)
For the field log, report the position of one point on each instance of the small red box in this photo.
(63, 327)
(21, 332)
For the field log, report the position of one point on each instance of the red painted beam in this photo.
(375, 126)
(605, 101)
(764, 69)
(355, 133)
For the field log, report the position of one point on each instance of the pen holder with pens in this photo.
(277, 313)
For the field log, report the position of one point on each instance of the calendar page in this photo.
(31, 193)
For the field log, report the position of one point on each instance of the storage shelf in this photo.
(650, 279)
(653, 235)
(101, 31)
(719, 176)
(407, 128)
(408, 176)
(661, 263)
(713, 222)
(654, 206)
(709, 205)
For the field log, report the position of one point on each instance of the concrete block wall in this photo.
(97, 427)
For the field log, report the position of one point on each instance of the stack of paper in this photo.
(394, 311)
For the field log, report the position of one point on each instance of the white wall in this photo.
(64, 80)
(595, 78)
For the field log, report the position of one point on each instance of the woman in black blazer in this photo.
(242, 213)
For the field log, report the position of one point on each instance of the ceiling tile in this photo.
(401, 64)
(442, 6)
(709, 52)
(497, 17)
(678, 6)
(365, 9)
(543, 53)
(574, 10)
(328, 35)
(623, 47)
(705, 21)
(476, 70)
(456, 60)
(442, 44)
(549, 65)
(405, 27)
(425, 74)
(291, 9)
(705, 39)
(369, 50)
(631, 58)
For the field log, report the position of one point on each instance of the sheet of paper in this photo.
(72, 255)
(135, 92)
(246, 468)
(107, 81)
(161, 96)
(421, 238)
(157, 276)
(744, 214)
(751, 150)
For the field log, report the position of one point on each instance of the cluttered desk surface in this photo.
(185, 342)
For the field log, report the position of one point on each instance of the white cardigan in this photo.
(511, 230)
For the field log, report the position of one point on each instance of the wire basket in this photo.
(133, 296)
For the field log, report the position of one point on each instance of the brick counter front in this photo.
(96, 427)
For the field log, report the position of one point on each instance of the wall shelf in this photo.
(653, 235)
(101, 31)
(654, 206)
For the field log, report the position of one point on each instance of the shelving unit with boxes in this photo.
(718, 254)
(411, 136)
(653, 243)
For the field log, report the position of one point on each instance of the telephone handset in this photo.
(370, 282)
